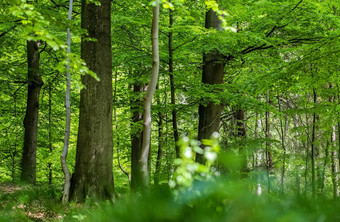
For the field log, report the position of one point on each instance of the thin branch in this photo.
(184, 43)
(15, 92)
(277, 26)
(12, 28)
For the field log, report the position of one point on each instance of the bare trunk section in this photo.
(136, 134)
(241, 133)
(325, 166)
(93, 176)
(335, 167)
(283, 130)
(269, 161)
(213, 71)
(313, 145)
(67, 174)
(172, 85)
(28, 165)
(50, 170)
(143, 161)
(160, 145)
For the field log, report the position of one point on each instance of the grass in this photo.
(27, 203)
(220, 201)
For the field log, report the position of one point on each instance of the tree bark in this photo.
(143, 161)
(50, 170)
(313, 145)
(325, 166)
(172, 86)
(213, 71)
(160, 145)
(241, 132)
(93, 176)
(283, 137)
(269, 161)
(67, 174)
(335, 167)
(28, 166)
(136, 134)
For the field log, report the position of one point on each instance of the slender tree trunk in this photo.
(283, 135)
(28, 167)
(306, 146)
(136, 134)
(172, 86)
(50, 171)
(269, 161)
(241, 133)
(213, 72)
(297, 147)
(67, 174)
(335, 172)
(93, 176)
(160, 145)
(313, 145)
(14, 152)
(335, 166)
(325, 166)
(338, 89)
(143, 161)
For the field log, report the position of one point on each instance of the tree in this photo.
(67, 175)
(93, 176)
(143, 161)
(213, 72)
(28, 167)
(136, 134)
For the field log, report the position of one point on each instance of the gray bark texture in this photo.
(28, 164)
(213, 72)
(144, 157)
(93, 176)
(67, 174)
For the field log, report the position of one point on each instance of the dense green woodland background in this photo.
(279, 100)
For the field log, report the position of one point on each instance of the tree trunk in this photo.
(136, 134)
(93, 176)
(313, 145)
(28, 173)
(325, 166)
(335, 167)
(283, 130)
(160, 145)
(143, 161)
(241, 133)
(50, 169)
(172, 86)
(67, 174)
(269, 161)
(213, 71)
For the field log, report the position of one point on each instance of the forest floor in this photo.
(204, 202)
(26, 203)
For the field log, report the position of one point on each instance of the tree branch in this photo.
(184, 43)
(12, 28)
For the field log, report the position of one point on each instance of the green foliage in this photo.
(276, 54)
(25, 203)
(187, 170)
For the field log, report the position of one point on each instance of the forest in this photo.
(170, 110)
